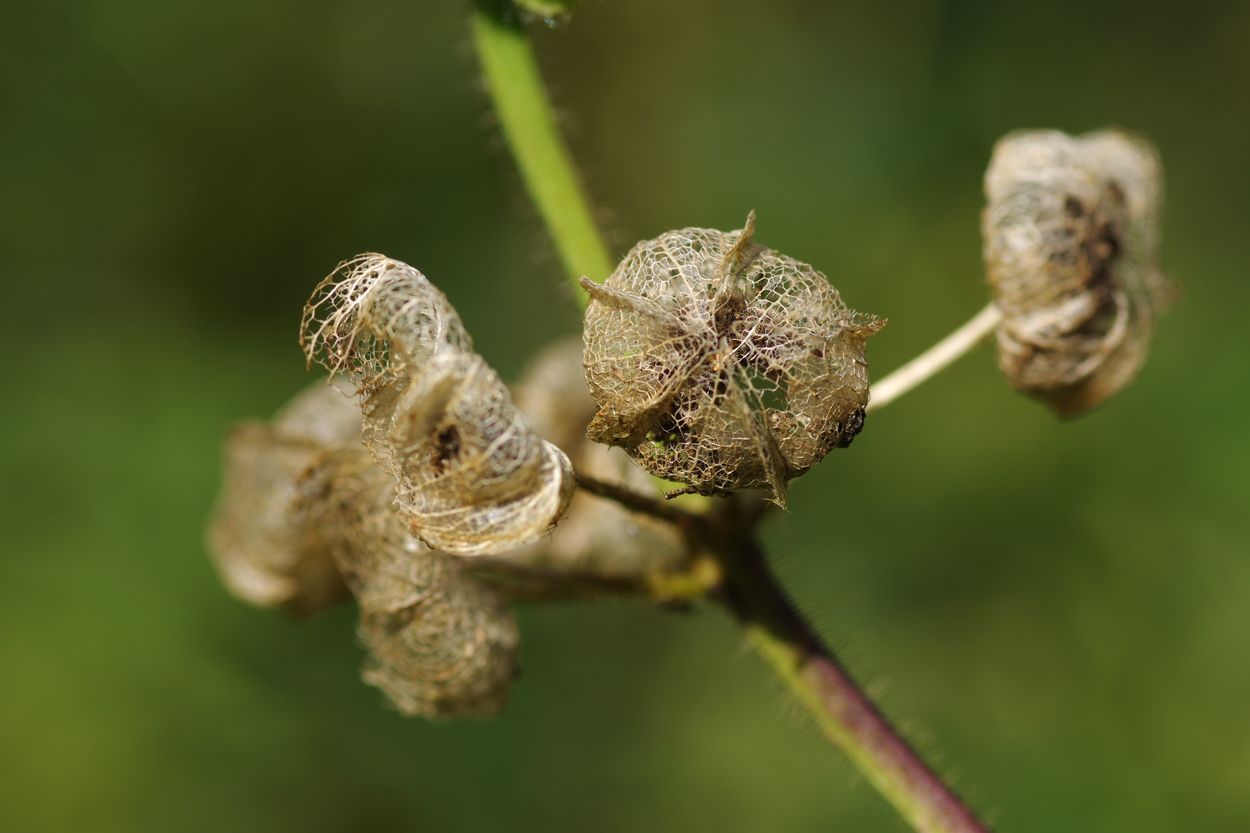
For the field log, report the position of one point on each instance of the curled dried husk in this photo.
(720, 363)
(1071, 249)
(440, 642)
(473, 476)
(596, 537)
(267, 551)
(379, 320)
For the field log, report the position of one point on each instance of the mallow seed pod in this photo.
(720, 363)
(473, 476)
(440, 642)
(268, 552)
(1071, 245)
(477, 476)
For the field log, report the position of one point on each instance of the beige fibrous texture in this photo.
(267, 551)
(596, 537)
(1071, 244)
(722, 364)
(306, 516)
(473, 476)
(441, 643)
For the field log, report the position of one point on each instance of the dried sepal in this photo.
(596, 537)
(1071, 249)
(440, 642)
(267, 551)
(473, 476)
(723, 364)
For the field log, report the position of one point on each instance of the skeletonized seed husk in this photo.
(723, 364)
(473, 476)
(441, 643)
(267, 551)
(1071, 249)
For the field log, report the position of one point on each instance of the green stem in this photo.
(840, 707)
(520, 101)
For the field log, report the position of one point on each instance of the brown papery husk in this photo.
(472, 475)
(1071, 245)
(441, 643)
(267, 552)
(720, 363)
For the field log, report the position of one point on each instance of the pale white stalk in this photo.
(935, 359)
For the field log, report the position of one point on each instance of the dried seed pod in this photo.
(322, 413)
(720, 363)
(1071, 250)
(380, 320)
(306, 514)
(473, 476)
(441, 643)
(596, 537)
(267, 551)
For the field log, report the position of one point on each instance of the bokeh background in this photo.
(1059, 613)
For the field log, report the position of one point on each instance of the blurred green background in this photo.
(1059, 613)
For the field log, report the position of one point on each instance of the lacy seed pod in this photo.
(722, 364)
(441, 643)
(1071, 250)
(267, 551)
(474, 477)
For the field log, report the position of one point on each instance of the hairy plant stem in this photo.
(845, 714)
(935, 359)
(536, 583)
(744, 583)
(638, 502)
(525, 114)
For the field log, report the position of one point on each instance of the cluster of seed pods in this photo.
(417, 483)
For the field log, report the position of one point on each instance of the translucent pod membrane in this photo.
(473, 476)
(267, 551)
(1071, 246)
(441, 643)
(596, 537)
(720, 363)
(307, 515)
